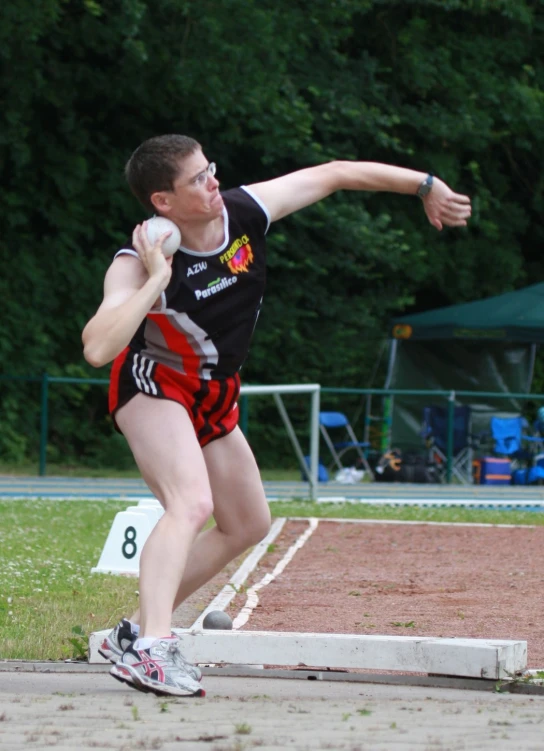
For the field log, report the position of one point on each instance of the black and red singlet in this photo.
(200, 334)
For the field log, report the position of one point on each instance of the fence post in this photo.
(314, 443)
(386, 427)
(451, 408)
(43, 423)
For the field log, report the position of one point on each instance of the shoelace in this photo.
(179, 659)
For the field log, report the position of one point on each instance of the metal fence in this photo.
(451, 397)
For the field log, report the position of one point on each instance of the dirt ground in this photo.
(407, 579)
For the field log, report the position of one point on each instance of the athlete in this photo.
(178, 331)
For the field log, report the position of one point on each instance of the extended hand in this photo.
(446, 208)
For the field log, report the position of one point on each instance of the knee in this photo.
(201, 510)
(257, 528)
(193, 511)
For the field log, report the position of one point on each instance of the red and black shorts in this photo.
(211, 404)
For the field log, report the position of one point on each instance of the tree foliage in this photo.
(449, 86)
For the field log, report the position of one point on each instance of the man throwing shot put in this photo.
(178, 330)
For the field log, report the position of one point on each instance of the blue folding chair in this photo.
(335, 421)
(509, 438)
(435, 433)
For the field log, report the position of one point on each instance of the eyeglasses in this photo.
(202, 178)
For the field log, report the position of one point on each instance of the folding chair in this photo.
(435, 433)
(334, 421)
(508, 435)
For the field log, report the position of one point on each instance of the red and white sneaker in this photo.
(121, 638)
(161, 669)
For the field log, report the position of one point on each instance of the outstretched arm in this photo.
(287, 194)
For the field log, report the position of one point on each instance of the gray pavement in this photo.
(86, 709)
(13, 487)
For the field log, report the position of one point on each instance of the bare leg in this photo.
(162, 438)
(241, 513)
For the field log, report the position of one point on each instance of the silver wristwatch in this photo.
(425, 187)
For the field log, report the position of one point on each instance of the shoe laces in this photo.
(175, 653)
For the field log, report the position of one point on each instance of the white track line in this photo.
(252, 599)
(479, 503)
(421, 523)
(230, 590)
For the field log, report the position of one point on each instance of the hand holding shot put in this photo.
(151, 252)
(158, 227)
(167, 325)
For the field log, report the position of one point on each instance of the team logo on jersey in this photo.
(196, 268)
(239, 256)
(216, 286)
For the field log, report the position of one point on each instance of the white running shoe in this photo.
(121, 638)
(161, 669)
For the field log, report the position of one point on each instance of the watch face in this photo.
(425, 187)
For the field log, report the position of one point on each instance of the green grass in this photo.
(404, 513)
(31, 469)
(68, 470)
(47, 550)
(49, 599)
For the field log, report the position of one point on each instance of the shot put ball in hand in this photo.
(157, 226)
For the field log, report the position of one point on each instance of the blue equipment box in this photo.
(495, 471)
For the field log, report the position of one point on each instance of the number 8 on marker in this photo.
(129, 547)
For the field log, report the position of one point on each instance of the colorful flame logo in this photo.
(242, 260)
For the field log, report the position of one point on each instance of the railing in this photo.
(451, 397)
(313, 390)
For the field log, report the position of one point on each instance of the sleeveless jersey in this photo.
(209, 309)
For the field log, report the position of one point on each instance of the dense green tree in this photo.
(450, 86)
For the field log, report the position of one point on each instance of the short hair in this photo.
(155, 165)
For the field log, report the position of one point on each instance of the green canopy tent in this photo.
(487, 345)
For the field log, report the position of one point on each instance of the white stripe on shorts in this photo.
(149, 379)
(143, 380)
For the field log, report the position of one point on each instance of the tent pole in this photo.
(531, 368)
(392, 356)
(451, 405)
(387, 403)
